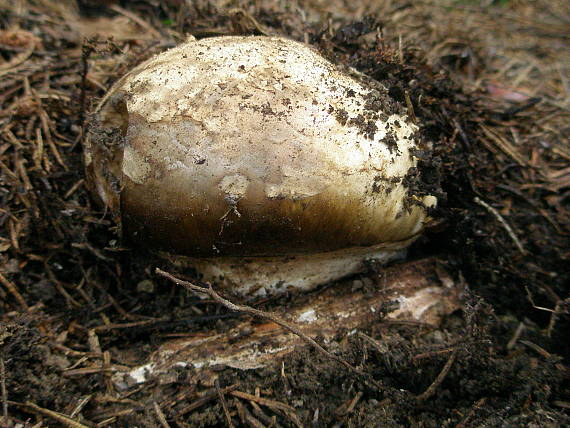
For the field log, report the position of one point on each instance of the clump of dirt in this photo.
(76, 305)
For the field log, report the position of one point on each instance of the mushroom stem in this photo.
(260, 276)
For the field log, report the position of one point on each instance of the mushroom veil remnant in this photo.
(257, 162)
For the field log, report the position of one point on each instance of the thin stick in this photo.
(439, 379)
(161, 416)
(44, 119)
(498, 216)
(410, 107)
(14, 291)
(56, 416)
(516, 336)
(82, 403)
(4, 391)
(136, 19)
(249, 418)
(207, 289)
(476, 406)
(203, 400)
(224, 404)
(272, 404)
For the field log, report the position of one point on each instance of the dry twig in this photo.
(469, 415)
(4, 391)
(246, 416)
(505, 146)
(203, 400)
(13, 289)
(439, 379)
(82, 403)
(136, 19)
(272, 404)
(56, 416)
(161, 416)
(224, 404)
(503, 222)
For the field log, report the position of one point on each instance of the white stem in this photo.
(260, 276)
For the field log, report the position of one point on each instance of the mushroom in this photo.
(258, 162)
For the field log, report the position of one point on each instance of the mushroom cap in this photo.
(254, 146)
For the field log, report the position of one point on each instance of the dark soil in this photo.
(489, 87)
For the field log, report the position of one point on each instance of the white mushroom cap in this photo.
(255, 147)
